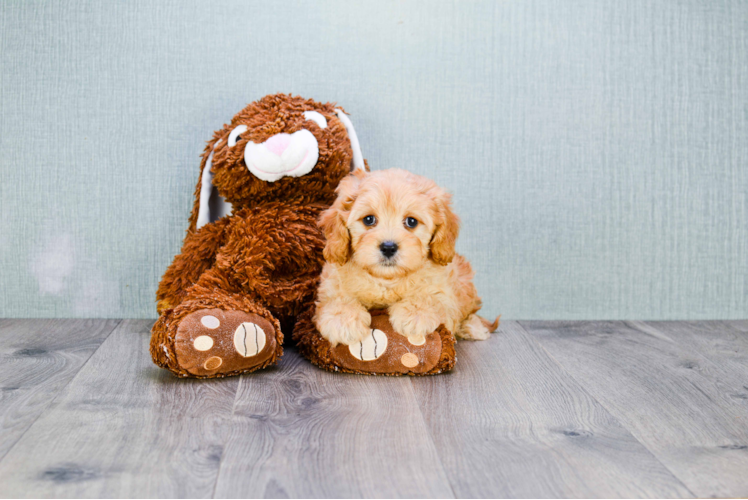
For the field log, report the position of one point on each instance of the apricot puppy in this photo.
(391, 245)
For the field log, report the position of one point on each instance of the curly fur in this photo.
(424, 285)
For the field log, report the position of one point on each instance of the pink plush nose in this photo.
(278, 143)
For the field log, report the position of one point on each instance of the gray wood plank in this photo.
(37, 359)
(724, 343)
(509, 422)
(124, 428)
(301, 432)
(741, 325)
(666, 393)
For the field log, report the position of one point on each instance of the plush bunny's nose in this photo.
(282, 155)
(278, 143)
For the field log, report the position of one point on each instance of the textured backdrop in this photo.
(597, 150)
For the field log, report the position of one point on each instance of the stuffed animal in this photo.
(252, 256)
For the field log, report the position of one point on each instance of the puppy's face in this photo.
(390, 223)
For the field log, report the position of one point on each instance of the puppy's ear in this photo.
(333, 220)
(447, 228)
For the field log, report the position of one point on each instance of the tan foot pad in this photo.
(388, 352)
(212, 341)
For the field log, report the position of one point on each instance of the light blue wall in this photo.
(597, 150)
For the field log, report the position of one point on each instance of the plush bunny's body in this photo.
(252, 257)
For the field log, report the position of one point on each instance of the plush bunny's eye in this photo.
(316, 118)
(235, 135)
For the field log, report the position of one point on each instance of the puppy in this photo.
(391, 245)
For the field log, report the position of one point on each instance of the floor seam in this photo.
(430, 435)
(228, 437)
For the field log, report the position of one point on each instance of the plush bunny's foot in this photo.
(213, 342)
(383, 352)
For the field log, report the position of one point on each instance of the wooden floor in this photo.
(542, 409)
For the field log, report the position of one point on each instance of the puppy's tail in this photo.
(492, 327)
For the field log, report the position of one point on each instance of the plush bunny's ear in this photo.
(213, 206)
(358, 157)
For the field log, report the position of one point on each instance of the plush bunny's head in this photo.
(280, 148)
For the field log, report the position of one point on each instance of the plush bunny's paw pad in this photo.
(371, 348)
(213, 342)
(386, 352)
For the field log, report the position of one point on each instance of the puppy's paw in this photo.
(338, 330)
(343, 323)
(413, 321)
(472, 329)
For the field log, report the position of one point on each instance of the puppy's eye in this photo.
(369, 220)
(410, 222)
(235, 135)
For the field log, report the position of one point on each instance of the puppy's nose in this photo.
(388, 248)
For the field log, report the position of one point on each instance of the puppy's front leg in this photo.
(415, 319)
(342, 321)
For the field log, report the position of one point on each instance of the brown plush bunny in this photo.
(252, 256)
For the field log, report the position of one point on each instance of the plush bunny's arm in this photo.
(197, 256)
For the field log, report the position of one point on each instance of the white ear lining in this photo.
(358, 157)
(210, 211)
